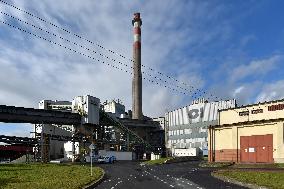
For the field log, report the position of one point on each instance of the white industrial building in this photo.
(87, 106)
(161, 120)
(115, 107)
(186, 127)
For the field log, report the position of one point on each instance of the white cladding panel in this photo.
(186, 152)
(177, 118)
(185, 117)
(181, 116)
(201, 112)
(89, 107)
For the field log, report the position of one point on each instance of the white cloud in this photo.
(256, 68)
(238, 91)
(271, 91)
(32, 69)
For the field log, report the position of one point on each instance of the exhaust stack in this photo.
(137, 75)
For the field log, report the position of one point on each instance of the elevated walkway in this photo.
(12, 114)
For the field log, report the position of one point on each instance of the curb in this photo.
(233, 181)
(95, 183)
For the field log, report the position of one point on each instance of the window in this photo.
(187, 131)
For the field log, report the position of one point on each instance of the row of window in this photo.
(186, 131)
(187, 141)
(192, 144)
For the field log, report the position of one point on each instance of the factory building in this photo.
(115, 107)
(186, 127)
(249, 134)
(161, 120)
(87, 106)
(57, 149)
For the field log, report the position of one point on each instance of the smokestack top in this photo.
(137, 18)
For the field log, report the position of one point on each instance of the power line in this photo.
(83, 54)
(50, 23)
(67, 40)
(86, 48)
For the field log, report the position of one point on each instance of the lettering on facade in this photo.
(244, 113)
(257, 111)
(276, 107)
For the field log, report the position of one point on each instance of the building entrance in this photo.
(257, 149)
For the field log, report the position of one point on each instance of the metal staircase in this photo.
(115, 122)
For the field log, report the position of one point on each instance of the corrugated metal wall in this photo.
(199, 112)
(188, 125)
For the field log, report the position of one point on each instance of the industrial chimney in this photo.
(137, 75)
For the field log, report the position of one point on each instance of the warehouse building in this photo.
(249, 134)
(186, 127)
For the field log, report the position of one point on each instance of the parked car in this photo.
(94, 158)
(107, 159)
(3, 161)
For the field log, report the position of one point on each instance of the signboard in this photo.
(276, 107)
(245, 113)
(92, 147)
(251, 150)
(257, 111)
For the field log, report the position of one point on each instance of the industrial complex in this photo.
(211, 116)
(65, 130)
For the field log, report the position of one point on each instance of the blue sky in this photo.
(231, 49)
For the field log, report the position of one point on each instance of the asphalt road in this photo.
(185, 175)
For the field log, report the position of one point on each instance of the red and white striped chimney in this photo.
(137, 75)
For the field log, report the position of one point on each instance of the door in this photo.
(244, 149)
(257, 149)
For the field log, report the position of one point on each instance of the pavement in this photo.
(184, 175)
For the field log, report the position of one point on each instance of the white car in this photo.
(107, 159)
(94, 158)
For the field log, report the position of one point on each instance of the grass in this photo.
(269, 179)
(265, 166)
(31, 176)
(280, 165)
(157, 161)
